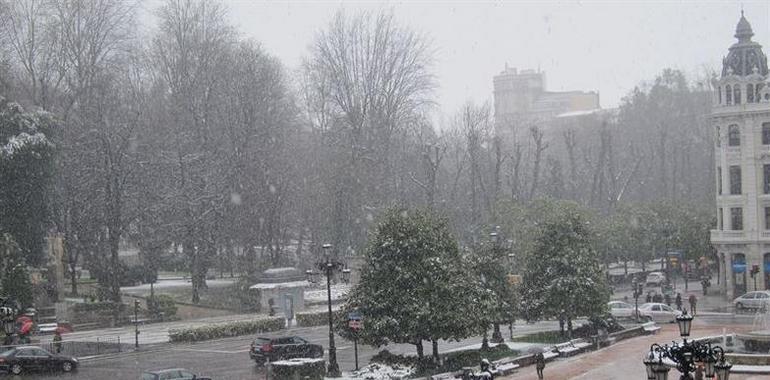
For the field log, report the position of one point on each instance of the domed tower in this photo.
(741, 121)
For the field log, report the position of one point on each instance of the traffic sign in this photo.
(356, 324)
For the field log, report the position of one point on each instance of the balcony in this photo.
(717, 235)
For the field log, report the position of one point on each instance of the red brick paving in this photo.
(621, 361)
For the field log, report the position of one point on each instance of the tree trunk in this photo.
(436, 357)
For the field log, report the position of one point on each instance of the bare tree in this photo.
(375, 75)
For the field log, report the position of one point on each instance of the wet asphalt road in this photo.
(229, 359)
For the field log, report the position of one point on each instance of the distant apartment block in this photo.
(522, 97)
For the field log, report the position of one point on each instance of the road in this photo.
(228, 358)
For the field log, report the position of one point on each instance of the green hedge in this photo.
(226, 330)
(162, 303)
(451, 362)
(316, 318)
(312, 369)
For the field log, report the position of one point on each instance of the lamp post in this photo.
(686, 355)
(136, 323)
(328, 266)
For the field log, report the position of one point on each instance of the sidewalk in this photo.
(620, 361)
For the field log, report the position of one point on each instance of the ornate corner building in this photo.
(741, 121)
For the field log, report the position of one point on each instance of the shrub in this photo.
(319, 318)
(453, 361)
(312, 369)
(162, 303)
(226, 330)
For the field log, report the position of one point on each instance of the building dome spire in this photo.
(743, 31)
(745, 56)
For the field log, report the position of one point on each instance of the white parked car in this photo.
(655, 279)
(620, 309)
(759, 300)
(659, 312)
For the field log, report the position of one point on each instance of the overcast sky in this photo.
(606, 46)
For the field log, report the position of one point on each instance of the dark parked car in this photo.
(172, 374)
(29, 358)
(290, 347)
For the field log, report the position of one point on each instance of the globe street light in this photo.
(686, 355)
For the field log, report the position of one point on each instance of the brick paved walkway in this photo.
(620, 361)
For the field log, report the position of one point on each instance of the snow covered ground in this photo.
(339, 291)
(377, 371)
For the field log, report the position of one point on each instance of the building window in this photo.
(720, 218)
(766, 178)
(735, 180)
(749, 93)
(733, 135)
(757, 89)
(767, 218)
(728, 95)
(737, 94)
(765, 133)
(719, 180)
(719, 95)
(718, 136)
(736, 219)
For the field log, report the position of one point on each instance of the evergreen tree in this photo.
(563, 276)
(413, 286)
(14, 280)
(26, 170)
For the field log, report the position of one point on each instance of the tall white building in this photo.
(741, 121)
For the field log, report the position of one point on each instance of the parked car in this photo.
(758, 300)
(172, 374)
(655, 279)
(620, 309)
(289, 347)
(659, 312)
(30, 358)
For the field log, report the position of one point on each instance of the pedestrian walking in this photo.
(678, 301)
(693, 304)
(57, 341)
(649, 297)
(540, 365)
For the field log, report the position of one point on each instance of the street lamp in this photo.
(328, 266)
(685, 356)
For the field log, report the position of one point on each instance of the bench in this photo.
(566, 349)
(506, 369)
(548, 355)
(443, 376)
(580, 344)
(650, 328)
(573, 347)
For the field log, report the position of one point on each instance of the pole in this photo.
(355, 350)
(136, 323)
(334, 369)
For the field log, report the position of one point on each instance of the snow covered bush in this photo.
(226, 330)
(299, 369)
